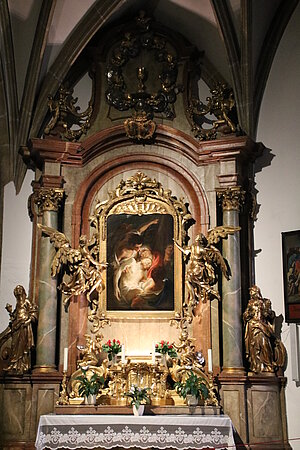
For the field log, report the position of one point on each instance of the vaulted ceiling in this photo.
(41, 39)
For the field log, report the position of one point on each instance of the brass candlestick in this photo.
(63, 396)
(212, 397)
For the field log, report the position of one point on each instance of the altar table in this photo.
(161, 432)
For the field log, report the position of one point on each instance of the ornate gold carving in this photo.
(144, 104)
(221, 104)
(84, 271)
(139, 127)
(63, 395)
(188, 359)
(140, 195)
(149, 196)
(20, 332)
(264, 351)
(65, 115)
(90, 353)
(138, 206)
(48, 199)
(232, 198)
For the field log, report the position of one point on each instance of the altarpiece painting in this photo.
(137, 229)
(140, 274)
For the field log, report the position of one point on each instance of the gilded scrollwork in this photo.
(137, 225)
(221, 104)
(144, 104)
(90, 352)
(65, 115)
(141, 197)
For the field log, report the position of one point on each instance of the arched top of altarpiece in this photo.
(187, 183)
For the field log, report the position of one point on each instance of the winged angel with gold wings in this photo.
(203, 263)
(85, 273)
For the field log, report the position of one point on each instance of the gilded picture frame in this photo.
(291, 275)
(137, 228)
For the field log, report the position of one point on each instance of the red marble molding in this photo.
(199, 152)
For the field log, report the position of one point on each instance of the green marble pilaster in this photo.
(47, 320)
(231, 289)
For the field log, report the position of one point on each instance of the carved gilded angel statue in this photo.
(204, 262)
(84, 271)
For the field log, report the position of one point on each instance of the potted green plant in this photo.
(89, 385)
(192, 388)
(139, 397)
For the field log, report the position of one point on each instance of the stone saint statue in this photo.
(20, 326)
(264, 351)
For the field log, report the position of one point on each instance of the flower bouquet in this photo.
(112, 348)
(139, 397)
(165, 348)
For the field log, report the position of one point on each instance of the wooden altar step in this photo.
(149, 410)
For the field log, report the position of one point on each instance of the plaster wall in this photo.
(16, 250)
(278, 185)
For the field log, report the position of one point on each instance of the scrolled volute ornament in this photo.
(79, 264)
(65, 115)
(264, 351)
(20, 332)
(221, 104)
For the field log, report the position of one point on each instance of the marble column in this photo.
(231, 199)
(48, 201)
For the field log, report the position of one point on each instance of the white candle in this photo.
(66, 350)
(209, 360)
(123, 359)
(153, 353)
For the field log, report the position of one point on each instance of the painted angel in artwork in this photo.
(203, 263)
(84, 271)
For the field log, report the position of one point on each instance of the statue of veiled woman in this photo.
(20, 325)
(264, 351)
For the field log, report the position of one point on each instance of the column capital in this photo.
(232, 198)
(48, 199)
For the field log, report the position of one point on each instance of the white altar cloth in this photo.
(126, 431)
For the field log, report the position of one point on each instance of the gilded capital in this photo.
(232, 198)
(48, 199)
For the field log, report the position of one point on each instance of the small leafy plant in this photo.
(192, 385)
(139, 396)
(112, 348)
(89, 385)
(165, 348)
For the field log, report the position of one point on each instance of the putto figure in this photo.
(20, 325)
(204, 262)
(264, 351)
(84, 271)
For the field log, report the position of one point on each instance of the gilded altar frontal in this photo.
(148, 292)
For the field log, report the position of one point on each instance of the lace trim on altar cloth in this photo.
(126, 437)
